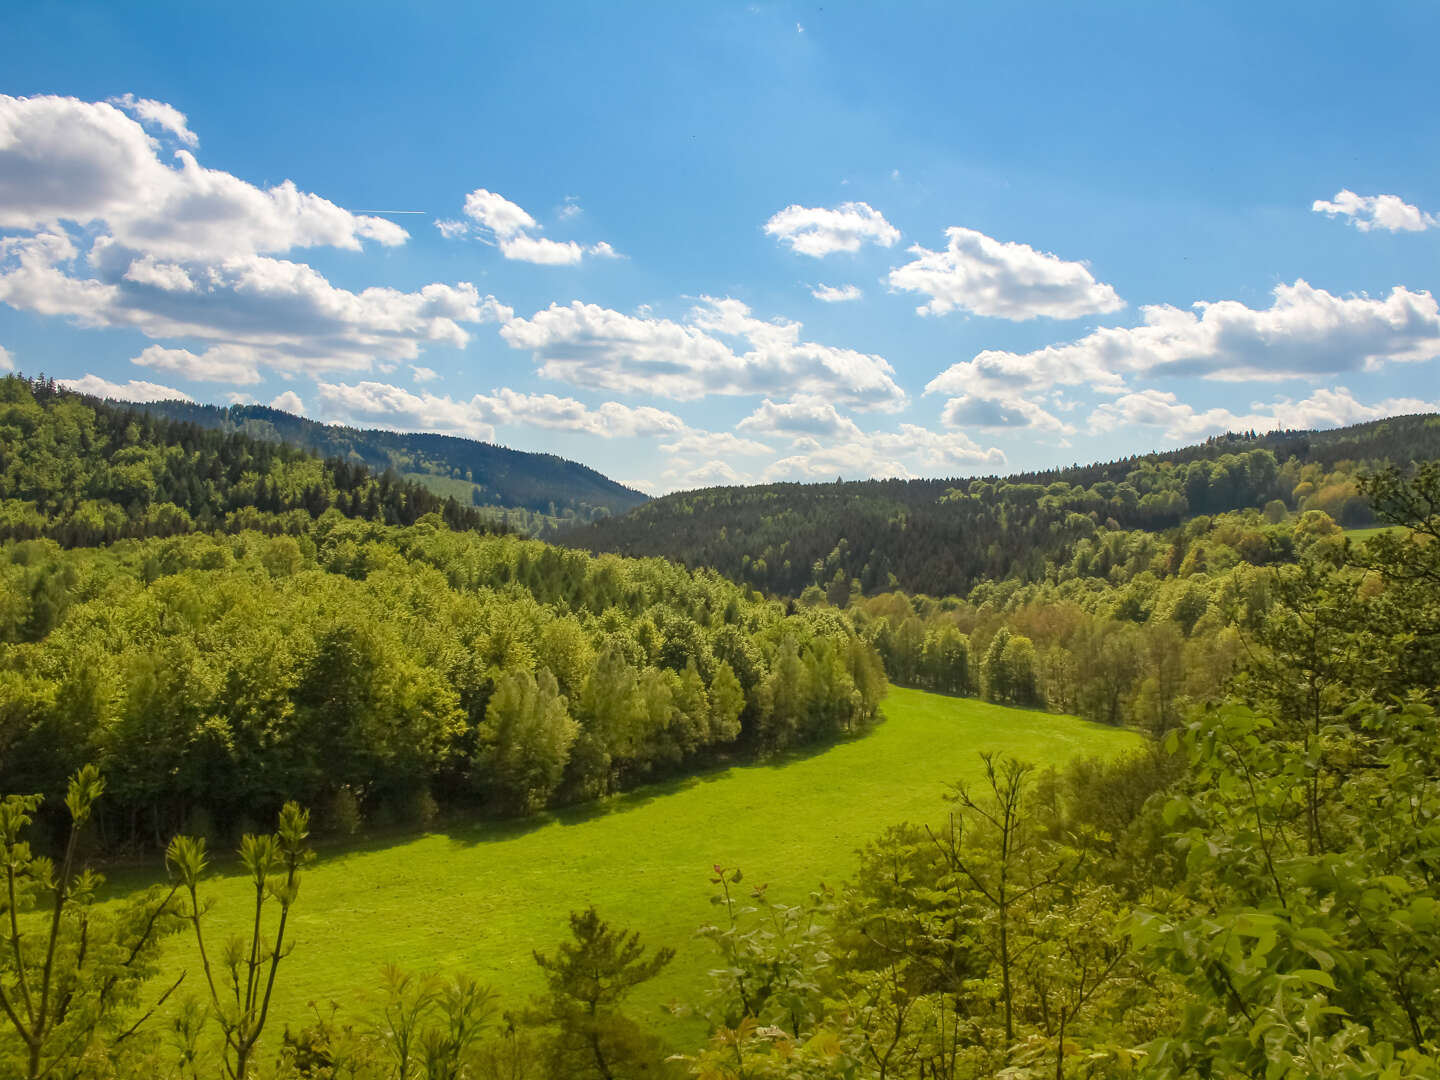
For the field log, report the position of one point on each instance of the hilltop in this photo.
(529, 491)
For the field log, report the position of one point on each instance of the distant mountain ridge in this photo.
(533, 492)
(944, 536)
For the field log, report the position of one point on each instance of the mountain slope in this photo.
(82, 472)
(479, 474)
(944, 536)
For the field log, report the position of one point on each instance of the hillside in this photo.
(946, 536)
(82, 472)
(550, 490)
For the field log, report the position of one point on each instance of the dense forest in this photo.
(946, 537)
(84, 472)
(1255, 893)
(529, 492)
(365, 667)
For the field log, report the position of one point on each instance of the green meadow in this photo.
(1358, 536)
(480, 897)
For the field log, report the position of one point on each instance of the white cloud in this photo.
(817, 231)
(693, 442)
(159, 114)
(287, 313)
(570, 208)
(804, 415)
(423, 374)
(134, 390)
(909, 452)
(835, 294)
(1325, 408)
(1306, 332)
(289, 402)
(541, 250)
(188, 252)
(597, 347)
(1367, 212)
(7, 362)
(713, 473)
(498, 214)
(1001, 412)
(64, 160)
(235, 364)
(822, 445)
(395, 407)
(510, 227)
(1005, 280)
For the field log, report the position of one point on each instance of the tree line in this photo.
(1134, 629)
(373, 671)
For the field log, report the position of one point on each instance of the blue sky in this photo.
(695, 244)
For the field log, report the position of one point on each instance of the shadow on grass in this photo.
(475, 830)
(488, 830)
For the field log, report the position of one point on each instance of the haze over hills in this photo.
(943, 536)
(532, 491)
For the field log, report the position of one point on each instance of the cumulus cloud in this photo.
(234, 364)
(395, 407)
(1005, 280)
(1306, 332)
(801, 416)
(285, 313)
(134, 390)
(822, 444)
(836, 294)
(1325, 408)
(541, 250)
(911, 451)
(597, 347)
(510, 227)
(423, 374)
(498, 214)
(713, 473)
(289, 402)
(1001, 412)
(1366, 212)
(7, 363)
(818, 232)
(694, 442)
(159, 114)
(116, 237)
(64, 160)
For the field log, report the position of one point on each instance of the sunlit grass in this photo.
(480, 898)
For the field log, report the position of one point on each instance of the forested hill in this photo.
(945, 536)
(84, 472)
(537, 490)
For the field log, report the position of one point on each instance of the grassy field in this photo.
(480, 898)
(1360, 535)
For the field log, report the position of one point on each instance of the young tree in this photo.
(70, 971)
(241, 992)
(525, 741)
(587, 978)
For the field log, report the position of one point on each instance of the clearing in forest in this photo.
(481, 897)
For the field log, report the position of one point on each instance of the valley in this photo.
(480, 898)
